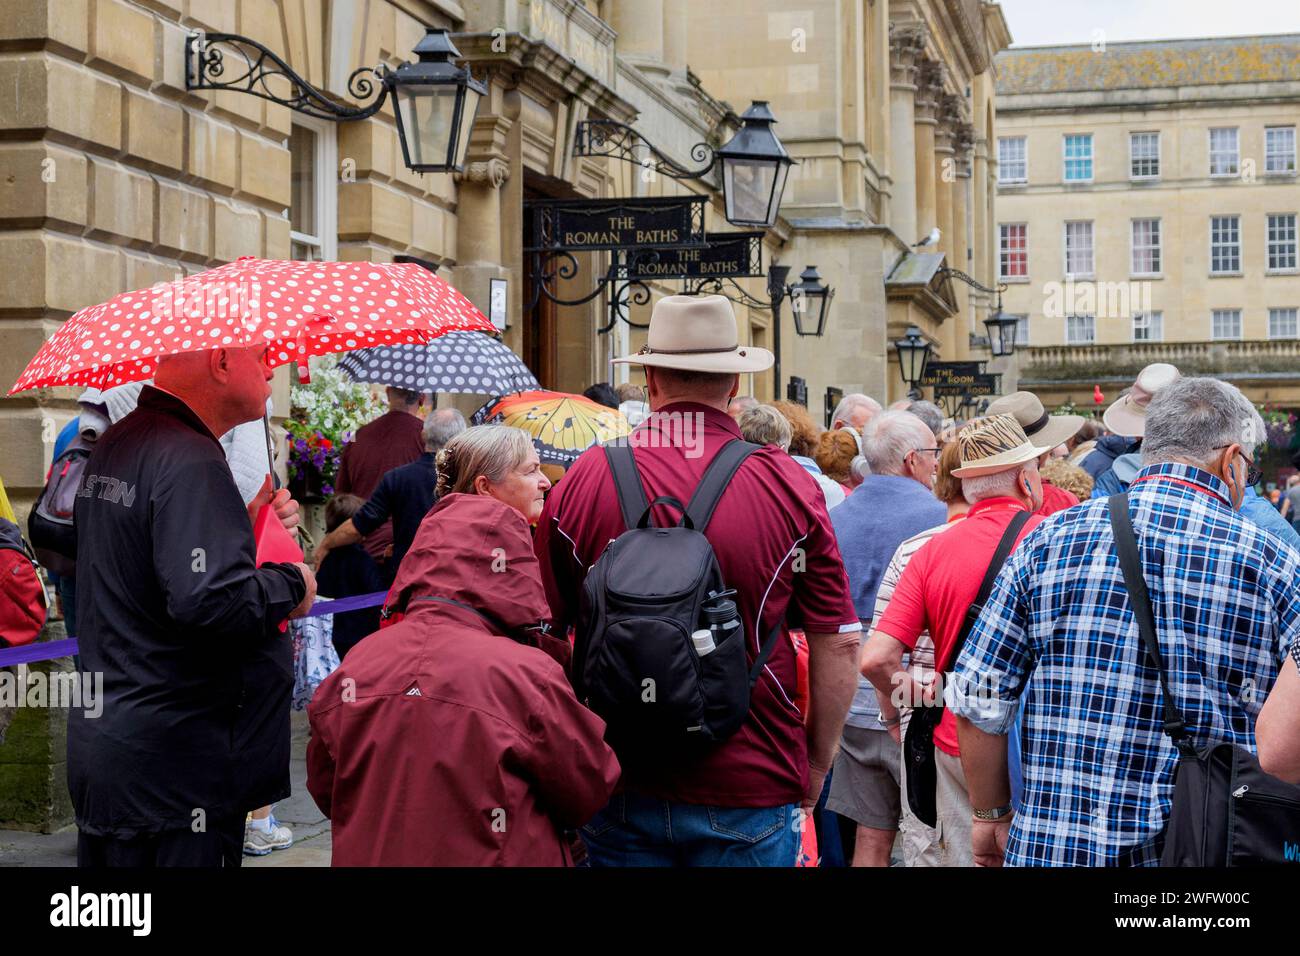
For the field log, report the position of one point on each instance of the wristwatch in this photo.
(997, 813)
(889, 721)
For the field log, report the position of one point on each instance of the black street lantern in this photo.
(754, 163)
(810, 302)
(754, 169)
(913, 354)
(436, 102)
(1002, 331)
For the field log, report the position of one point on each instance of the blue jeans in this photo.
(633, 830)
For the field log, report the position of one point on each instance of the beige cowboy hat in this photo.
(1040, 427)
(697, 333)
(1128, 416)
(994, 444)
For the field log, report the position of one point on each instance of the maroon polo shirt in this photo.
(390, 441)
(775, 546)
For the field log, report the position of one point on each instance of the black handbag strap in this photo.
(1131, 563)
(1005, 545)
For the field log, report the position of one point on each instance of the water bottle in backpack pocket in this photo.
(660, 651)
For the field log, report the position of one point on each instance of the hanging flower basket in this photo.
(325, 416)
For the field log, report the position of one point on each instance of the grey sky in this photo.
(1047, 22)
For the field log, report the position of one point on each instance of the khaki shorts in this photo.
(920, 843)
(864, 784)
(954, 811)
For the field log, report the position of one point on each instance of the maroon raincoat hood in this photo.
(474, 550)
(440, 740)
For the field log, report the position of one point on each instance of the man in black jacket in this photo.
(183, 626)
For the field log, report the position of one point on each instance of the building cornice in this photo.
(1176, 97)
(545, 67)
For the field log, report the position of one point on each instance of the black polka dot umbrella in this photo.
(455, 362)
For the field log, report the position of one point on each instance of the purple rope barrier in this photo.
(49, 650)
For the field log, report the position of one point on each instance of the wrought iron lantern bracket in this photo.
(262, 73)
(606, 137)
(963, 277)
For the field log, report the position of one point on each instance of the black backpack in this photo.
(49, 525)
(635, 663)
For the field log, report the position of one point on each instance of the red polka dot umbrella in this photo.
(298, 309)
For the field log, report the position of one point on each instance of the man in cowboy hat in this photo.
(738, 803)
(1125, 422)
(999, 477)
(1046, 431)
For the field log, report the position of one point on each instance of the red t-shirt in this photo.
(940, 583)
(1056, 499)
(770, 532)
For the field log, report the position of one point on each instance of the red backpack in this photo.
(23, 601)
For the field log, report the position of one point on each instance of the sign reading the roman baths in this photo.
(575, 225)
(724, 255)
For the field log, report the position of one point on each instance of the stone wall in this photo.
(114, 177)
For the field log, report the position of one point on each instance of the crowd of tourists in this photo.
(898, 639)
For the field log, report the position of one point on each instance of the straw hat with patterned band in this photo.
(993, 444)
(1040, 427)
(697, 333)
(1128, 416)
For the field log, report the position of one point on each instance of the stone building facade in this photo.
(113, 176)
(1147, 212)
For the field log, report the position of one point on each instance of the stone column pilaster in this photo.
(929, 87)
(905, 45)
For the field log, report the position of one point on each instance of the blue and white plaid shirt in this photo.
(1059, 639)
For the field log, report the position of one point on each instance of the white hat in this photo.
(1128, 416)
(697, 333)
(1040, 427)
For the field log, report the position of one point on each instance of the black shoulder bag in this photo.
(918, 745)
(1226, 810)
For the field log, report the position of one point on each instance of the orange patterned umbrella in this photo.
(563, 426)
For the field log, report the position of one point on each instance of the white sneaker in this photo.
(258, 843)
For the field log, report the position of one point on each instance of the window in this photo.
(1012, 167)
(1279, 149)
(1078, 249)
(1080, 329)
(1013, 258)
(1225, 324)
(1144, 155)
(1282, 324)
(1148, 326)
(1146, 246)
(1225, 245)
(1022, 330)
(1223, 151)
(1281, 242)
(1078, 158)
(313, 198)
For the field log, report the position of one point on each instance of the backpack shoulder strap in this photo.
(1131, 563)
(627, 483)
(716, 479)
(1005, 546)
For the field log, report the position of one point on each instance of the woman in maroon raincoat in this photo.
(447, 739)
